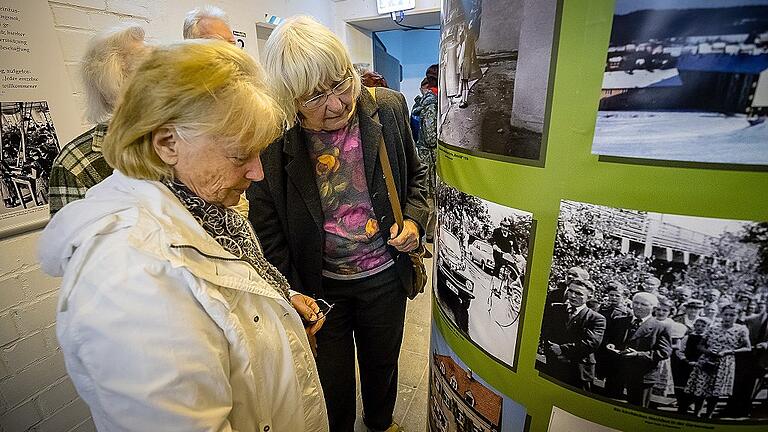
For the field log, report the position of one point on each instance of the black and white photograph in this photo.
(495, 60)
(460, 400)
(29, 146)
(686, 80)
(663, 312)
(482, 255)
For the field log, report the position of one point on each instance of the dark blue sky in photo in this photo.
(626, 6)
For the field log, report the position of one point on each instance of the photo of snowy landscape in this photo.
(686, 80)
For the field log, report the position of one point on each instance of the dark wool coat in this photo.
(579, 337)
(651, 339)
(285, 207)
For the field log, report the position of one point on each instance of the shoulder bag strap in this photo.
(394, 199)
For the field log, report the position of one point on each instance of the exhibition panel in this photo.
(629, 290)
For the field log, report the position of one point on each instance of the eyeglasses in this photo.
(325, 309)
(319, 100)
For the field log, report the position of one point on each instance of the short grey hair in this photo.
(192, 21)
(650, 298)
(109, 60)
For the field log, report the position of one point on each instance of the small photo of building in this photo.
(461, 401)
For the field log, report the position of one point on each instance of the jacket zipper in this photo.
(186, 246)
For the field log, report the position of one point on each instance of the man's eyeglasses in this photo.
(339, 89)
(325, 308)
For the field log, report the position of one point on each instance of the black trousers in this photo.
(368, 314)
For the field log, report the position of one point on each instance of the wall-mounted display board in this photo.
(37, 112)
(616, 280)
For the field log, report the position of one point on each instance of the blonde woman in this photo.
(323, 214)
(169, 316)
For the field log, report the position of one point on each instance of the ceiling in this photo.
(384, 22)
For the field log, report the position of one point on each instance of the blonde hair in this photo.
(192, 21)
(302, 57)
(109, 60)
(201, 87)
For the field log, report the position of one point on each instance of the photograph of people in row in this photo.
(691, 339)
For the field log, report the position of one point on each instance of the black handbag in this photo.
(417, 255)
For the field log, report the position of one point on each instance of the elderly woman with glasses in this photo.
(324, 218)
(169, 316)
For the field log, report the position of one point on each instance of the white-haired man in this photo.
(107, 64)
(639, 343)
(208, 22)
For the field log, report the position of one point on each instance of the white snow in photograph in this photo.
(681, 136)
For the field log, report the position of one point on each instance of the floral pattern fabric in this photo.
(713, 376)
(354, 244)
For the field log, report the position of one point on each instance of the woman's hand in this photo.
(308, 311)
(408, 239)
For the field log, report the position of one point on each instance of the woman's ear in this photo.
(165, 142)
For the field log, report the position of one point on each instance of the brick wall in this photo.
(35, 392)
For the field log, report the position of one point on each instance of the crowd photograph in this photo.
(494, 61)
(29, 146)
(660, 311)
(481, 266)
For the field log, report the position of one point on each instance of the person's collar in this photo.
(579, 309)
(642, 320)
(100, 131)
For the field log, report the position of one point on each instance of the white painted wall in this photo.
(500, 26)
(534, 57)
(34, 389)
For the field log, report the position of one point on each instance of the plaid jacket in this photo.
(78, 167)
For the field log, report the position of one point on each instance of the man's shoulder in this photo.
(657, 326)
(594, 315)
(78, 150)
(622, 320)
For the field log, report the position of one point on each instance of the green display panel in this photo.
(697, 216)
